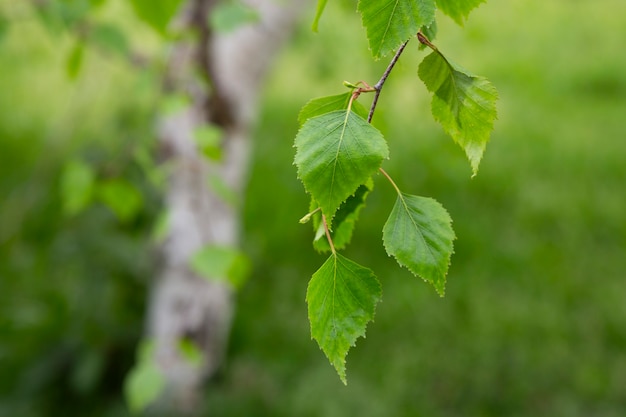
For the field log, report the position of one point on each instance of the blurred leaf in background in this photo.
(145, 382)
(121, 197)
(156, 13)
(77, 183)
(221, 263)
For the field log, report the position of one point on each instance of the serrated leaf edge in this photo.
(348, 112)
(379, 54)
(471, 156)
(341, 370)
(441, 291)
(463, 18)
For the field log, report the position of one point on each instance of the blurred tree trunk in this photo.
(184, 306)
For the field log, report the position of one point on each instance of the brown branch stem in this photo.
(379, 85)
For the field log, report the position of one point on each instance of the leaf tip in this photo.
(474, 153)
(441, 290)
(340, 367)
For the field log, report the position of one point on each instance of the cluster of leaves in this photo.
(338, 152)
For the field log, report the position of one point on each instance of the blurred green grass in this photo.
(533, 323)
(534, 319)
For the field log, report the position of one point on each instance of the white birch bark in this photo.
(184, 305)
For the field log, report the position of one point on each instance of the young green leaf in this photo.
(208, 138)
(341, 297)
(389, 23)
(464, 104)
(219, 186)
(321, 5)
(343, 223)
(221, 263)
(336, 153)
(146, 381)
(77, 184)
(323, 105)
(156, 13)
(190, 352)
(75, 60)
(419, 235)
(458, 9)
(122, 197)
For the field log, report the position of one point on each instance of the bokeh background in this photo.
(534, 318)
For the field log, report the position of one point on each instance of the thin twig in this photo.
(327, 230)
(379, 85)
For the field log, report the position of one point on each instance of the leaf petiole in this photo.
(330, 239)
(358, 90)
(391, 181)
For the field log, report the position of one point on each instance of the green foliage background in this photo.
(534, 319)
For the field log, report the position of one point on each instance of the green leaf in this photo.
(389, 23)
(464, 104)
(156, 13)
(223, 190)
(75, 60)
(226, 17)
(190, 352)
(77, 183)
(209, 140)
(344, 221)
(221, 263)
(419, 235)
(341, 297)
(336, 153)
(323, 105)
(121, 197)
(145, 382)
(458, 9)
(321, 5)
